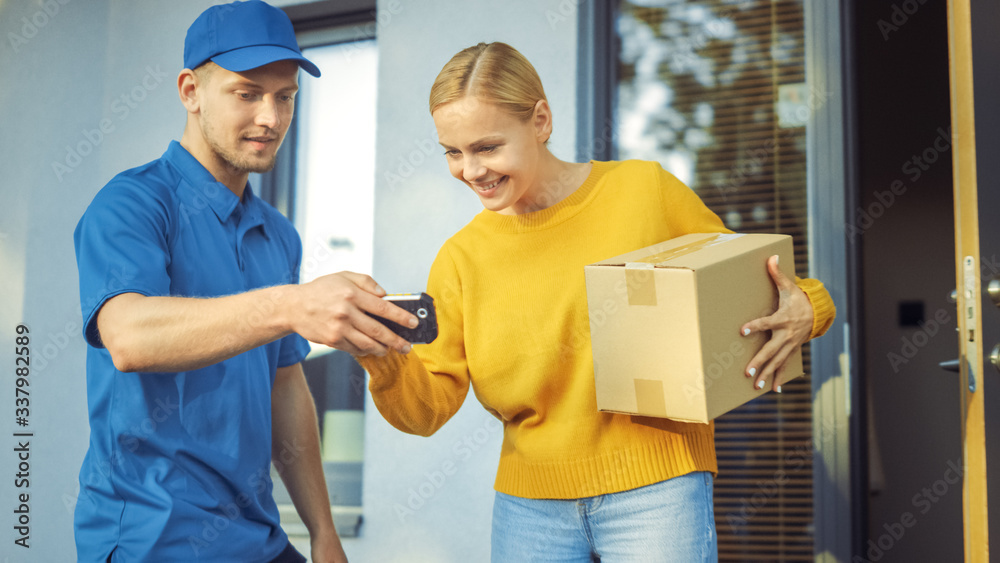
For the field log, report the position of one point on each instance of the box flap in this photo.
(687, 251)
(672, 257)
(638, 255)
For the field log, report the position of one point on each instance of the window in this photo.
(715, 91)
(324, 183)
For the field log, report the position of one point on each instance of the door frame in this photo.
(839, 417)
(968, 282)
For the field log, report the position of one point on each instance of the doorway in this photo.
(904, 225)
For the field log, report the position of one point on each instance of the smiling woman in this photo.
(492, 116)
(504, 167)
(513, 324)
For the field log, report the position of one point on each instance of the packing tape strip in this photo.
(649, 397)
(641, 283)
(695, 246)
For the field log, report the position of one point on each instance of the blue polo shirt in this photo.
(178, 463)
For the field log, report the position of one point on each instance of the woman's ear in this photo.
(542, 121)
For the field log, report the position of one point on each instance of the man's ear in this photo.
(542, 121)
(188, 89)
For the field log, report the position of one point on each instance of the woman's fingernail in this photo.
(379, 288)
(407, 348)
(776, 259)
(752, 372)
(746, 331)
(779, 389)
(760, 384)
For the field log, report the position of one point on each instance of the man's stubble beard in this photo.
(235, 161)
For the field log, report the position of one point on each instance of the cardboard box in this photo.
(665, 322)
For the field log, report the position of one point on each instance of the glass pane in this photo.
(334, 214)
(335, 196)
(715, 91)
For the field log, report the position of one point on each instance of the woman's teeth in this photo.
(491, 186)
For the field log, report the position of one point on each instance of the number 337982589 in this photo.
(22, 366)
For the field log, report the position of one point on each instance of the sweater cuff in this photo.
(384, 370)
(824, 311)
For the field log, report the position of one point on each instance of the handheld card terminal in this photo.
(422, 306)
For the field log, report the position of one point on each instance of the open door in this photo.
(972, 27)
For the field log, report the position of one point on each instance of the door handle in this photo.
(950, 365)
(953, 365)
(993, 289)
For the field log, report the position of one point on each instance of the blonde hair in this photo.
(493, 72)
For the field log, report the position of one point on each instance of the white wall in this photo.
(413, 217)
(68, 76)
(76, 60)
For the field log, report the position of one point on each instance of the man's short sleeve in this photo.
(121, 247)
(293, 350)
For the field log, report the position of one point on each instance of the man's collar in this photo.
(220, 198)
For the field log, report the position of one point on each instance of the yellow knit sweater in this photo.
(513, 322)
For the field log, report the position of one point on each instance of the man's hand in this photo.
(790, 327)
(326, 549)
(333, 312)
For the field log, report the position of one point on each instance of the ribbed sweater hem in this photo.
(671, 455)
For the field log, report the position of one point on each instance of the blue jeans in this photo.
(665, 522)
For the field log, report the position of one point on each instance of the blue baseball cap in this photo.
(241, 36)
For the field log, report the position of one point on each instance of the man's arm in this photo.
(295, 452)
(177, 333)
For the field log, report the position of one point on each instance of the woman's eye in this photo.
(488, 148)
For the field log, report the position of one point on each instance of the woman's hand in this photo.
(790, 327)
